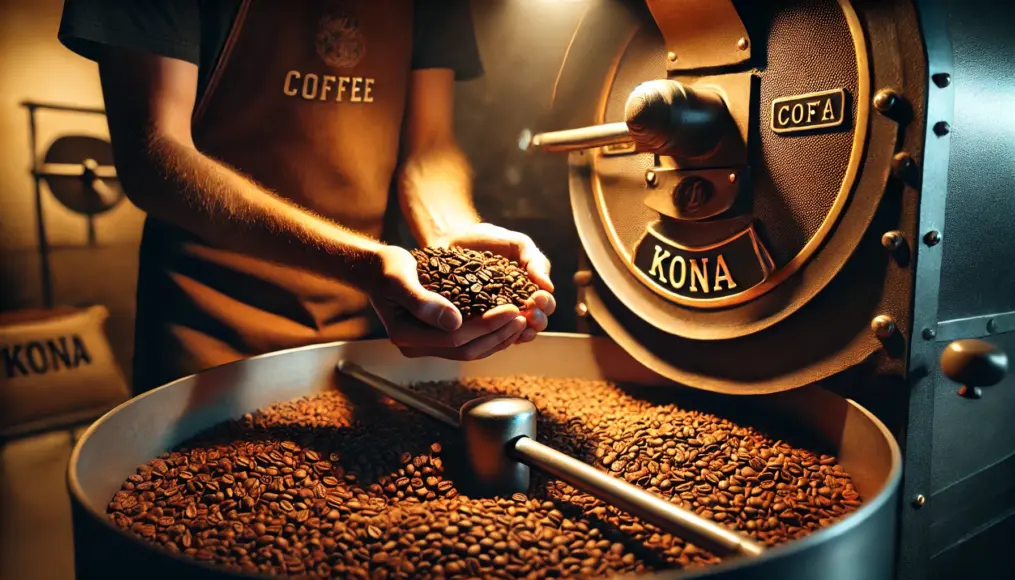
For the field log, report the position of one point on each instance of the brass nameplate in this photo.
(717, 271)
(823, 110)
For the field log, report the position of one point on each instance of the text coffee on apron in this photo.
(307, 99)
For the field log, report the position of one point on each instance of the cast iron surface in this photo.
(858, 547)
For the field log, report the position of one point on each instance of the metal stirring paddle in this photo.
(500, 440)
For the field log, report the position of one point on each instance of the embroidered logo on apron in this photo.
(339, 42)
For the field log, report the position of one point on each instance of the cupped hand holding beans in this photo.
(519, 248)
(421, 322)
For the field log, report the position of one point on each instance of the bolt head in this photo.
(891, 240)
(918, 501)
(582, 278)
(733, 177)
(742, 44)
(942, 128)
(929, 334)
(883, 326)
(885, 100)
(671, 56)
(582, 309)
(651, 178)
(991, 326)
(902, 165)
(932, 238)
(942, 80)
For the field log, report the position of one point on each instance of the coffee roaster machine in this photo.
(802, 206)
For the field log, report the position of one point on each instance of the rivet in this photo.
(885, 100)
(672, 56)
(892, 240)
(733, 177)
(883, 326)
(651, 178)
(902, 164)
(582, 309)
(742, 44)
(942, 80)
(582, 278)
(991, 326)
(932, 238)
(929, 334)
(918, 501)
(942, 128)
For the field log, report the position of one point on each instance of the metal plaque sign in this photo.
(712, 272)
(824, 110)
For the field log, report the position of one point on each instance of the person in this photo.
(262, 139)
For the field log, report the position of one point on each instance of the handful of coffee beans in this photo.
(473, 281)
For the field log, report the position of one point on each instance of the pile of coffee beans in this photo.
(347, 484)
(474, 281)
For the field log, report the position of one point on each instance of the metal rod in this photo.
(633, 499)
(45, 273)
(583, 138)
(617, 492)
(437, 410)
(60, 107)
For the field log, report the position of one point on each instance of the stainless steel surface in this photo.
(435, 409)
(582, 138)
(489, 425)
(858, 547)
(914, 554)
(617, 492)
(975, 326)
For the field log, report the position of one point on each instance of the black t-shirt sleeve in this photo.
(444, 37)
(170, 28)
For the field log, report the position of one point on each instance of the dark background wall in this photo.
(522, 43)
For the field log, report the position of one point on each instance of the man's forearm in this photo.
(179, 185)
(435, 189)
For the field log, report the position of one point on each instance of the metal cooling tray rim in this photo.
(585, 355)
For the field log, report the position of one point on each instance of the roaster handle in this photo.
(973, 364)
(661, 116)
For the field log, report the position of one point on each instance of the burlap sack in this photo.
(56, 368)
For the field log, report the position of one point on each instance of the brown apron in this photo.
(307, 100)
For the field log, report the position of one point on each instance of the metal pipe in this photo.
(583, 138)
(633, 499)
(642, 504)
(435, 409)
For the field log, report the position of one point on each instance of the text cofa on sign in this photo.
(808, 112)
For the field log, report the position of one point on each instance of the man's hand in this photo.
(517, 247)
(423, 323)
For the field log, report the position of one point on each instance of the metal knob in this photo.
(973, 364)
(661, 116)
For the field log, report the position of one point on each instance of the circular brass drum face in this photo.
(801, 114)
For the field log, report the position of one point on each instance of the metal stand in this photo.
(46, 275)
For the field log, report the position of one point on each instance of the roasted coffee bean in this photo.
(313, 488)
(466, 277)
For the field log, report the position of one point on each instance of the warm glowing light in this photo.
(524, 139)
